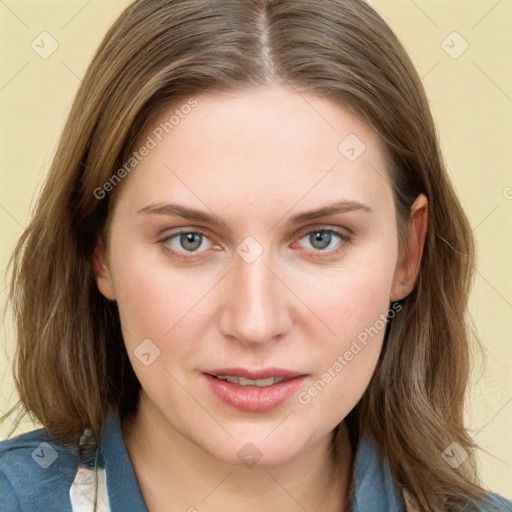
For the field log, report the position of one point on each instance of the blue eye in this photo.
(191, 244)
(325, 239)
(185, 242)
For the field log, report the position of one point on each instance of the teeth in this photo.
(243, 381)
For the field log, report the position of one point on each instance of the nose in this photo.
(256, 307)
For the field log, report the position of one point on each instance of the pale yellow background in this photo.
(471, 97)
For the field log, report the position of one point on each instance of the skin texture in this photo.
(254, 159)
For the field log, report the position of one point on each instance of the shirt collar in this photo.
(373, 487)
(123, 489)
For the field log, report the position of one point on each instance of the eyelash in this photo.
(319, 253)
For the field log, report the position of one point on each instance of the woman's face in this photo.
(256, 239)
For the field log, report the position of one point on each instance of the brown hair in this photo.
(71, 366)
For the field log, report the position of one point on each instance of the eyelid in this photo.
(342, 232)
(179, 231)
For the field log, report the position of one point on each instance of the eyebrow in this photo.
(174, 209)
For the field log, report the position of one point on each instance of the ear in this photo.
(409, 259)
(101, 270)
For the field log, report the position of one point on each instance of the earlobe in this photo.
(409, 262)
(101, 271)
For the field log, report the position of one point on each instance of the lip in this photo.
(253, 398)
(264, 373)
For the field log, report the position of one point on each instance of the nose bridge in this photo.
(255, 309)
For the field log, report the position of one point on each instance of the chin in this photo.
(256, 447)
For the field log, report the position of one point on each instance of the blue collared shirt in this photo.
(36, 474)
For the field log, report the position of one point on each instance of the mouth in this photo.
(243, 381)
(260, 378)
(254, 390)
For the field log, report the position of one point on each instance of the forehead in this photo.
(266, 146)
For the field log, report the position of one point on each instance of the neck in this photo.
(174, 472)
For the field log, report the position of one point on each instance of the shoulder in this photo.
(35, 472)
(493, 503)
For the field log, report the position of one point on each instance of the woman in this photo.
(245, 283)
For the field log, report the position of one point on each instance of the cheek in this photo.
(152, 296)
(351, 297)
(352, 302)
(158, 308)
(354, 307)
